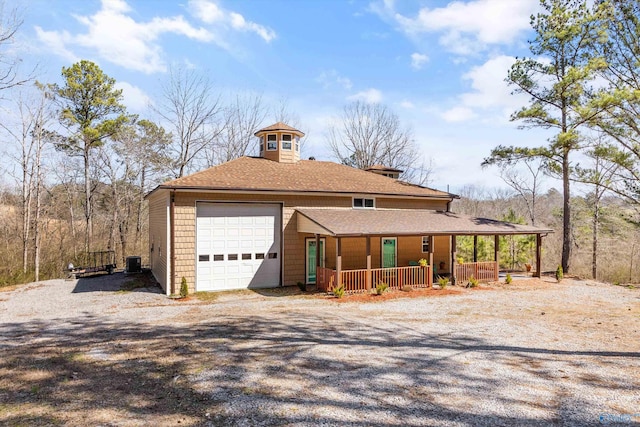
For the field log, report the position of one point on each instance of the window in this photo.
(259, 256)
(261, 144)
(246, 256)
(232, 257)
(218, 257)
(297, 144)
(286, 142)
(425, 244)
(272, 142)
(363, 203)
(273, 255)
(203, 258)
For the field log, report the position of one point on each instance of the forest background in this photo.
(81, 164)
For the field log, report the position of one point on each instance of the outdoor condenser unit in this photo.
(134, 264)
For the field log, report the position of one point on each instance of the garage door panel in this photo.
(243, 236)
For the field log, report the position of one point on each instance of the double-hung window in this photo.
(272, 142)
(286, 142)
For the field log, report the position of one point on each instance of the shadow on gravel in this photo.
(297, 369)
(119, 281)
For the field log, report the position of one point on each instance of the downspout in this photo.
(449, 205)
(172, 241)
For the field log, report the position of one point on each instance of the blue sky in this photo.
(439, 65)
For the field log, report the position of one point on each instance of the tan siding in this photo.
(397, 203)
(158, 239)
(354, 253)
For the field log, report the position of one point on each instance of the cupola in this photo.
(384, 171)
(280, 143)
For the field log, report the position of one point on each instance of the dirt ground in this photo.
(114, 351)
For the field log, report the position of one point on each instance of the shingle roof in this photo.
(395, 222)
(259, 174)
(279, 127)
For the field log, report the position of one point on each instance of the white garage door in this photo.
(238, 246)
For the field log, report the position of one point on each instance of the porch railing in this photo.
(363, 280)
(486, 271)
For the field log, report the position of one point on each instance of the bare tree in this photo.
(371, 134)
(189, 105)
(527, 188)
(10, 22)
(242, 118)
(28, 132)
(600, 175)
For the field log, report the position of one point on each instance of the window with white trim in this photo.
(363, 203)
(425, 244)
(272, 142)
(286, 142)
(297, 143)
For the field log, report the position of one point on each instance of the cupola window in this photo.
(272, 142)
(286, 142)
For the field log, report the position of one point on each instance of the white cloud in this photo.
(371, 96)
(490, 91)
(330, 77)
(206, 11)
(239, 23)
(134, 98)
(407, 104)
(114, 36)
(418, 60)
(56, 42)
(458, 114)
(466, 27)
(209, 12)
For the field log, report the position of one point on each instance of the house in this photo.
(277, 220)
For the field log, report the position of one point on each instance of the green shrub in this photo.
(339, 291)
(184, 288)
(381, 288)
(559, 274)
(473, 282)
(443, 282)
(508, 279)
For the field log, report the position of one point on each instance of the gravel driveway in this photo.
(534, 352)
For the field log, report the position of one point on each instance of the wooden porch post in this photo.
(475, 248)
(496, 254)
(338, 260)
(369, 284)
(318, 255)
(538, 255)
(430, 278)
(453, 259)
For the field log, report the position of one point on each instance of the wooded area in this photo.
(77, 164)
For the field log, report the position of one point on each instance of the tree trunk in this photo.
(36, 223)
(596, 222)
(566, 213)
(87, 199)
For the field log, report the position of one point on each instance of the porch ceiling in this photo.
(394, 222)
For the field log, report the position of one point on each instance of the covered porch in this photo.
(357, 228)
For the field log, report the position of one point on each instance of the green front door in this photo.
(311, 259)
(389, 252)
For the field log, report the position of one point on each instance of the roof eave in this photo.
(192, 188)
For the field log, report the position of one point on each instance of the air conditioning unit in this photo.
(134, 264)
